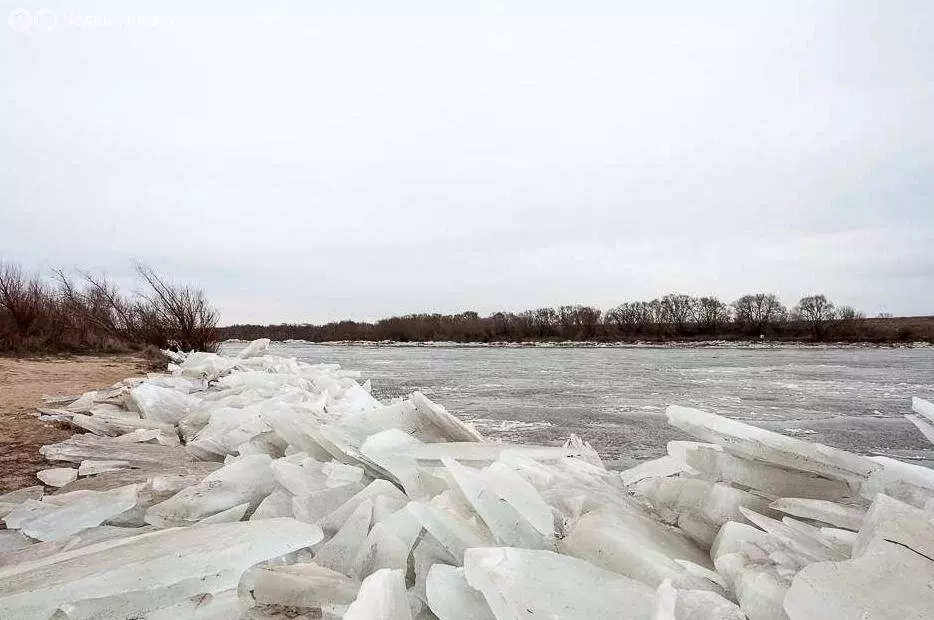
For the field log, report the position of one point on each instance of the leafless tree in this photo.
(816, 311)
(22, 296)
(710, 315)
(677, 310)
(758, 311)
(182, 312)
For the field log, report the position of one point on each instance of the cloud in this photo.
(335, 160)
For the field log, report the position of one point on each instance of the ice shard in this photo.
(888, 581)
(157, 559)
(450, 597)
(58, 476)
(523, 583)
(248, 480)
(762, 445)
(382, 597)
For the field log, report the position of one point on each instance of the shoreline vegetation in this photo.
(673, 320)
(86, 313)
(58, 313)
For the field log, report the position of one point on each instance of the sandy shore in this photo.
(22, 386)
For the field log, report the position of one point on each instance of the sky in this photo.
(322, 160)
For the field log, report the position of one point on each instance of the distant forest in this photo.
(672, 317)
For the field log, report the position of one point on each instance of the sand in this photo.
(22, 386)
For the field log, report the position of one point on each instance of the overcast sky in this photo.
(323, 160)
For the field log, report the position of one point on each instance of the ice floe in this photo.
(262, 487)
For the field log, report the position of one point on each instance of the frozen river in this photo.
(615, 397)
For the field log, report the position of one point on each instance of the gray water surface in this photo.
(615, 398)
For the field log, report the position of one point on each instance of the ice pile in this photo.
(262, 487)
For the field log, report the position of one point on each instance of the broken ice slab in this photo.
(162, 404)
(840, 515)
(339, 474)
(144, 435)
(762, 445)
(89, 509)
(169, 479)
(227, 516)
(923, 407)
(660, 467)
(450, 597)
(758, 587)
(226, 429)
(524, 583)
(205, 366)
(481, 452)
(83, 403)
(315, 506)
(909, 483)
(47, 414)
(417, 416)
(521, 495)
(277, 504)
(11, 500)
(887, 582)
(113, 426)
(93, 467)
(388, 545)
(716, 502)
(454, 534)
(300, 430)
(194, 560)
(635, 546)
(452, 428)
(57, 476)
(254, 349)
(221, 605)
(13, 541)
(247, 480)
(87, 446)
(299, 479)
(808, 545)
(403, 415)
(678, 604)
(509, 526)
(925, 426)
(304, 587)
(714, 464)
(90, 536)
(382, 597)
(334, 520)
(386, 450)
(734, 536)
(899, 523)
(340, 552)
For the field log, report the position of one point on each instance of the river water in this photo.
(615, 398)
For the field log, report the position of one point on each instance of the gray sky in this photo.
(324, 160)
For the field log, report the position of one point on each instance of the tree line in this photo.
(672, 317)
(87, 313)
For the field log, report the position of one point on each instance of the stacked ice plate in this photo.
(261, 487)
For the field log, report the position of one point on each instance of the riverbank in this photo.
(577, 344)
(23, 383)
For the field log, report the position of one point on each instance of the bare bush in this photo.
(90, 314)
(180, 315)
